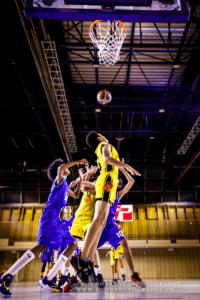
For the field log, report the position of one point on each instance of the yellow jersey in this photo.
(100, 160)
(87, 205)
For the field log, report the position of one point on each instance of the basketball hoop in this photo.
(108, 38)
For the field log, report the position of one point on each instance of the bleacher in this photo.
(153, 226)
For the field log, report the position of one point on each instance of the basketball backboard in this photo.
(127, 11)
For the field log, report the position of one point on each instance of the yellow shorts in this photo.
(80, 226)
(120, 249)
(106, 187)
(115, 254)
(112, 262)
(113, 257)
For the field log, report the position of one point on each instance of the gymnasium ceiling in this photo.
(158, 70)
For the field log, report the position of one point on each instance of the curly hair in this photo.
(52, 169)
(91, 139)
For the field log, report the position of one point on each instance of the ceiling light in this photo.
(152, 137)
(161, 110)
(98, 110)
(176, 66)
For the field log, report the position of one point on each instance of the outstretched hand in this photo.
(133, 171)
(93, 170)
(83, 161)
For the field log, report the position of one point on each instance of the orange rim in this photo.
(97, 21)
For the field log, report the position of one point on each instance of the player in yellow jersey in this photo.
(85, 212)
(105, 188)
(83, 218)
(113, 254)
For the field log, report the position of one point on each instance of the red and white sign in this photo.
(124, 213)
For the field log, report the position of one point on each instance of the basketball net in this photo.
(108, 38)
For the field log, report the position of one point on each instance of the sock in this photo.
(132, 272)
(97, 270)
(122, 271)
(20, 263)
(65, 271)
(115, 275)
(58, 265)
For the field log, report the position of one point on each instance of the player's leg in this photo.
(43, 269)
(121, 261)
(7, 277)
(63, 259)
(113, 272)
(65, 276)
(94, 231)
(116, 269)
(83, 265)
(105, 189)
(134, 275)
(121, 264)
(97, 270)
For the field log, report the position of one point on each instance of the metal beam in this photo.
(187, 167)
(190, 137)
(130, 54)
(136, 46)
(125, 62)
(128, 132)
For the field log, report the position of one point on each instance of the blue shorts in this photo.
(111, 234)
(49, 230)
(65, 242)
(48, 255)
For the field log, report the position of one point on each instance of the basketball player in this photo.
(70, 243)
(83, 219)
(113, 254)
(49, 234)
(113, 234)
(105, 189)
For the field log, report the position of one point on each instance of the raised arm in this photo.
(86, 185)
(76, 194)
(62, 168)
(106, 152)
(130, 183)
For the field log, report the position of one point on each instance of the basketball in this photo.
(104, 97)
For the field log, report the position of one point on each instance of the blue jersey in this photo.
(65, 226)
(112, 212)
(49, 233)
(58, 196)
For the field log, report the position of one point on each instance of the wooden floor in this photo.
(165, 289)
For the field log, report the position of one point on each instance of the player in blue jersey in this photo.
(69, 245)
(49, 234)
(112, 233)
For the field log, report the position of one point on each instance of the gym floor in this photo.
(163, 289)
